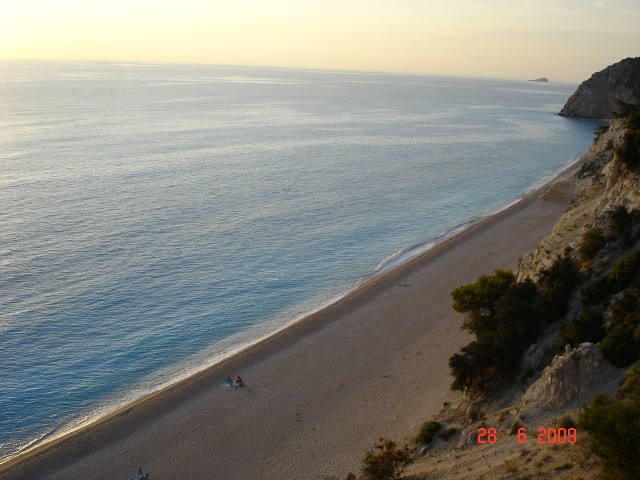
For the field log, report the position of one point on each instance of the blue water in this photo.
(155, 218)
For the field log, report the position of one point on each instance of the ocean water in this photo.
(156, 218)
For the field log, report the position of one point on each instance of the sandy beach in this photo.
(317, 394)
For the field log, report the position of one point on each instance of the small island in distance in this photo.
(541, 79)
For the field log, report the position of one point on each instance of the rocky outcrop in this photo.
(578, 374)
(597, 97)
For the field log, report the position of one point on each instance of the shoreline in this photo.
(116, 425)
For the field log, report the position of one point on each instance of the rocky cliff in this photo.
(597, 97)
(577, 375)
(601, 184)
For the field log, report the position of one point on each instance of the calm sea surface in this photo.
(156, 218)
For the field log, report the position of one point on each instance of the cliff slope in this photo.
(601, 185)
(597, 96)
(553, 385)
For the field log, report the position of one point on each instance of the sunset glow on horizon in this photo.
(563, 40)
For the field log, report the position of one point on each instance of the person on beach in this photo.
(140, 475)
(228, 379)
(239, 382)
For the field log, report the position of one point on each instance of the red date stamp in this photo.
(544, 435)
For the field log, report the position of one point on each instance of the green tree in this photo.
(504, 316)
(474, 368)
(480, 299)
(556, 284)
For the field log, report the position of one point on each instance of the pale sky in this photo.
(565, 40)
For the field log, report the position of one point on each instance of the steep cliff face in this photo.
(596, 97)
(602, 184)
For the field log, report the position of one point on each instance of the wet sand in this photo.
(318, 394)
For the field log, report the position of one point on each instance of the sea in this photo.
(157, 218)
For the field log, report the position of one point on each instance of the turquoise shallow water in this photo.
(155, 218)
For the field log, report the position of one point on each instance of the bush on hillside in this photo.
(592, 243)
(428, 431)
(588, 326)
(631, 384)
(614, 434)
(621, 346)
(625, 271)
(624, 304)
(385, 461)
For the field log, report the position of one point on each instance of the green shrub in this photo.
(385, 461)
(428, 431)
(627, 303)
(631, 384)
(625, 271)
(588, 326)
(592, 242)
(614, 435)
(621, 223)
(589, 168)
(621, 346)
